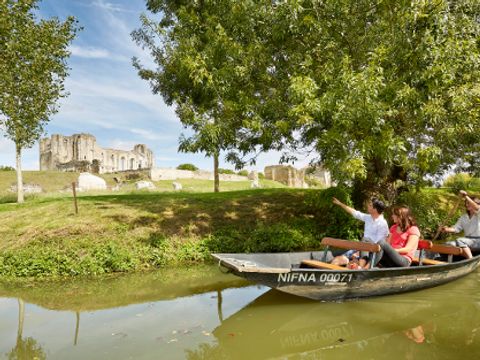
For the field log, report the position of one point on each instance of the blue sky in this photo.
(107, 98)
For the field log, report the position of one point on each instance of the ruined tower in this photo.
(80, 151)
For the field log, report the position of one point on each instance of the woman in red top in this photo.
(399, 247)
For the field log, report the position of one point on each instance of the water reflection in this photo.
(440, 323)
(203, 314)
(28, 348)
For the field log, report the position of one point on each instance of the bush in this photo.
(261, 175)
(426, 209)
(190, 167)
(297, 235)
(226, 171)
(460, 181)
(243, 173)
(331, 220)
(133, 176)
(279, 238)
(6, 168)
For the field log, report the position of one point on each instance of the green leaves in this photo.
(383, 91)
(32, 70)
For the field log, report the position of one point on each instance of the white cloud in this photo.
(89, 52)
(111, 7)
(149, 135)
(139, 95)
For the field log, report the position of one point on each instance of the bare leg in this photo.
(340, 260)
(467, 252)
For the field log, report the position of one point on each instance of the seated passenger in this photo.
(375, 229)
(469, 223)
(399, 248)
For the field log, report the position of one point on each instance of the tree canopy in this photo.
(386, 92)
(32, 70)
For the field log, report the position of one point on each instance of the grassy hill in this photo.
(55, 183)
(135, 230)
(128, 230)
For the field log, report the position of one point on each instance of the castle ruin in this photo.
(80, 151)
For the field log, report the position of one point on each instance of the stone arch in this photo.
(132, 163)
(122, 163)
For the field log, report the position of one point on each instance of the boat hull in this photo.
(283, 272)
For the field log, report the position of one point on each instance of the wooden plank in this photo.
(426, 261)
(322, 265)
(351, 245)
(446, 249)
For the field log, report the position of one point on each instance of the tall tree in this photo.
(386, 92)
(203, 70)
(33, 67)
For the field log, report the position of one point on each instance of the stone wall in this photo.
(65, 153)
(157, 174)
(286, 174)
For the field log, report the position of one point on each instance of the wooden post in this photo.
(75, 197)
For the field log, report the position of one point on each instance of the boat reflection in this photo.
(399, 327)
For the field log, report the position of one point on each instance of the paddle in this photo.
(449, 215)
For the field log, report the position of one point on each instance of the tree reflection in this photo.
(25, 349)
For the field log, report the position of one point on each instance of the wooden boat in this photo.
(307, 274)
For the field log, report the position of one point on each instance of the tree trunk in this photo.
(21, 317)
(216, 177)
(20, 197)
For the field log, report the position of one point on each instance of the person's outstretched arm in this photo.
(347, 208)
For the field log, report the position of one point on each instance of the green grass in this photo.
(131, 231)
(55, 183)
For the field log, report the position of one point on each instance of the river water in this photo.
(200, 313)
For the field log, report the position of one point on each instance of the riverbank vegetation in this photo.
(135, 231)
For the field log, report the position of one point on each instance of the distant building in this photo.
(80, 152)
(286, 174)
(292, 177)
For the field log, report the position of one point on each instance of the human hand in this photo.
(336, 201)
(462, 193)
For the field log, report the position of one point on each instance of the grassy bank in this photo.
(134, 231)
(131, 231)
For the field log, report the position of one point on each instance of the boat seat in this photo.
(436, 248)
(321, 265)
(446, 249)
(351, 245)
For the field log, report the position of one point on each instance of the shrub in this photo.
(6, 168)
(225, 171)
(331, 220)
(133, 176)
(243, 173)
(457, 182)
(190, 167)
(427, 211)
(279, 238)
(261, 175)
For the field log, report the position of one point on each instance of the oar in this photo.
(447, 219)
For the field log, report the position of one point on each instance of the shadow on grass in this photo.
(203, 213)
